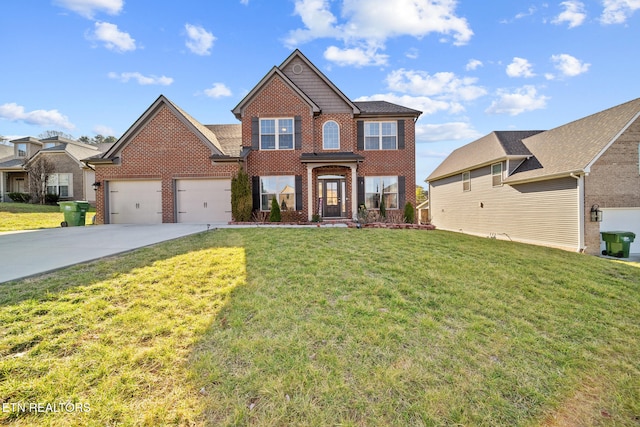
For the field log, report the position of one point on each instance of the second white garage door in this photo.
(203, 200)
(135, 202)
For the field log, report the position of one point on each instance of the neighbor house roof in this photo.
(572, 148)
(567, 149)
(74, 149)
(491, 148)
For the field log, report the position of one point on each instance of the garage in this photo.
(135, 202)
(622, 219)
(203, 200)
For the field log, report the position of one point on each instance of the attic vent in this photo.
(297, 68)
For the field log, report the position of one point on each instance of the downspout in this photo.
(580, 178)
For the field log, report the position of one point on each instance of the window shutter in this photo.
(360, 135)
(255, 133)
(298, 192)
(298, 132)
(402, 192)
(255, 189)
(360, 191)
(400, 134)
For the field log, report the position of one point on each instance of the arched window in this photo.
(330, 136)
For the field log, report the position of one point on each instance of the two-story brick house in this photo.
(300, 139)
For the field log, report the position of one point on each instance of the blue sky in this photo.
(93, 66)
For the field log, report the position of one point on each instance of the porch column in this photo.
(2, 186)
(354, 192)
(309, 192)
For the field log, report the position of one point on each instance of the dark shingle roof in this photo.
(384, 107)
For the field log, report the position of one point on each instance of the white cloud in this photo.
(88, 8)
(573, 13)
(103, 130)
(200, 41)
(618, 11)
(355, 56)
(520, 67)
(113, 38)
(421, 103)
(453, 131)
(44, 118)
(372, 22)
(141, 79)
(522, 100)
(568, 65)
(218, 90)
(244, 2)
(443, 84)
(473, 64)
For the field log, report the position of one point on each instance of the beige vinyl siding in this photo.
(544, 212)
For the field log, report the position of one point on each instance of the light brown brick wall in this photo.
(614, 182)
(165, 148)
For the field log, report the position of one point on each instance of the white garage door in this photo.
(135, 202)
(622, 219)
(203, 200)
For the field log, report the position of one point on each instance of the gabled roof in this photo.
(201, 131)
(229, 137)
(74, 149)
(574, 147)
(275, 71)
(491, 148)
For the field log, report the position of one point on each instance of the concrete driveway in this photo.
(28, 253)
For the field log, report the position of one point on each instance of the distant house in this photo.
(70, 180)
(540, 186)
(301, 140)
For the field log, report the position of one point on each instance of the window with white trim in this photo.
(376, 187)
(276, 134)
(380, 136)
(283, 188)
(60, 184)
(22, 150)
(330, 136)
(466, 181)
(496, 175)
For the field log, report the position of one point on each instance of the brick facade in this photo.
(613, 182)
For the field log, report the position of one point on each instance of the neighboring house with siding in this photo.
(70, 180)
(301, 140)
(540, 186)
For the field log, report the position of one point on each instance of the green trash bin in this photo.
(74, 213)
(618, 243)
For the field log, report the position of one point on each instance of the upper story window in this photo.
(466, 181)
(22, 150)
(49, 144)
(380, 136)
(496, 174)
(276, 134)
(330, 136)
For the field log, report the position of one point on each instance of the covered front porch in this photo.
(332, 189)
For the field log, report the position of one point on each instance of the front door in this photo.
(332, 198)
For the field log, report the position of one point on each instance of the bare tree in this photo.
(54, 133)
(39, 171)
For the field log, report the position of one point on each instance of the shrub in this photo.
(409, 213)
(51, 199)
(241, 198)
(20, 197)
(275, 216)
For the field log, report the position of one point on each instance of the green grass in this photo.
(327, 327)
(27, 216)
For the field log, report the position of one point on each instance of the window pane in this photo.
(372, 184)
(64, 191)
(330, 136)
(371, 143)
(267, 126)
(63, 179)
(285, 126)
(496, 172)
(388, 142)
(372, 129)
(52, 189)
(268, 142)
(372, 200)
(390, 184)
(266, 202)
(285, 142)
(391, 201)
(389, 129)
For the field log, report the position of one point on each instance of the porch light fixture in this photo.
(596, 214)
(96, 185)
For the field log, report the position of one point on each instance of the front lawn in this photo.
(324, 326)
(27, 216)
